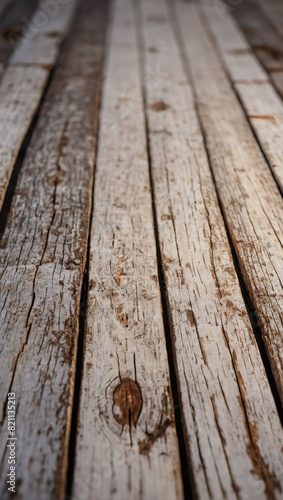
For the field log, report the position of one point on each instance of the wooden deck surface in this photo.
(141, 233)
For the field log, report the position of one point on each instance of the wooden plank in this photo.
(13, 25)
(250, 199)
(22, 86)
(260, 100)
(126, 444)
(42, 260)
(234, 435)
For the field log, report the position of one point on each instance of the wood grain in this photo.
(127, 445)
(42, 260)
(263, 105)
(23, 83)
(250, 200)
(230, 418)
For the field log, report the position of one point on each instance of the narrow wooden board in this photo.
(42, 260)
(126, 445)
(234, 435)
(263, 105)
(22, 86)
(250, 200)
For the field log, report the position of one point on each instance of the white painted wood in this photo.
(260, 100)
(234, 435)
(121, 453)
(250, 199)
(21, 89)
(42, 260)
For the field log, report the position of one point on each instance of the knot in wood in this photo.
(127, 405)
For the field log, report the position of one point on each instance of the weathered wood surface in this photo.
(126, 446)
(263, 105)
(42, 260)
(249, 197)
(227, 405)
(12, 26)
(23, 83)
(264, 39)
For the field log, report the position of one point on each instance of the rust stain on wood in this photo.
(190, 316)
(264, 117)
(159, 106)
(127, 402)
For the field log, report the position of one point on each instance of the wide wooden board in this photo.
(42, 259)
(227, 405)
(127, 445)
(250, 200)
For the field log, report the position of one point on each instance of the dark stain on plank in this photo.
(159, 106)
(146, 445)
(272, 51)
(127, 402)
(263, 117)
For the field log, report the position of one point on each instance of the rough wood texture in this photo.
(23, 83)
(126, 446)
(227, 405)
(250, 199)
(261, 102)
(42, 259)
